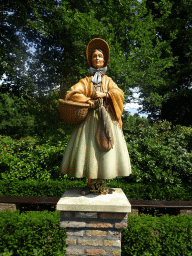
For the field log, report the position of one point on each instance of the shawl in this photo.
(85, 90)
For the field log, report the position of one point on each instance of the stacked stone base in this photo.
(93, 233)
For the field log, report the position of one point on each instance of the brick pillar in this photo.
(91, 229)
(134, 211)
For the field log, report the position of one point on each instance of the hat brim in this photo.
(101, 44)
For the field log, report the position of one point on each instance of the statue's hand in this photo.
(99, 94)
(91, 103)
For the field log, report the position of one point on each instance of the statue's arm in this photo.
(81, 92)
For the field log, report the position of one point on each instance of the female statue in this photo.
(97, 149)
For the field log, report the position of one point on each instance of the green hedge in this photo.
(37, 158)
(154, 236)
(23, 234)
(160, 153)
(144, 236)
(31, 157)
(156, 157)
(156, 191)
(25, 116)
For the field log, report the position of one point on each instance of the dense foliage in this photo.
(174, 28)
(39, 233)
(150, 49)
(60, 32)
(160, 152)
(153, 236)
(25, 116)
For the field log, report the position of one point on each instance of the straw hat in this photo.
(101, 44)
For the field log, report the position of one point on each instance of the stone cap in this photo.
(114, 201)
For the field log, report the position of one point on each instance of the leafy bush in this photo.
(22, 233)
(26, 116)
(35, 158)
(159, 153)
(167, 235)
(14, 115)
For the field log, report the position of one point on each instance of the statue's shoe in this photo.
(85, 191)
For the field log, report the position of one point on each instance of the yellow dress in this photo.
(82, 157)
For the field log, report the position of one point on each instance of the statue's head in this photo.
(98, 53)
(97, 60)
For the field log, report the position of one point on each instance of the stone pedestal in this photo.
(93, 222)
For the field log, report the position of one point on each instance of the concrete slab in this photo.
(114, 201)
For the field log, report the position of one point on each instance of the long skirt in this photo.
(83, 158)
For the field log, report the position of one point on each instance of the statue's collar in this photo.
(97, 74)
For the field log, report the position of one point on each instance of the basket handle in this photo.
(71, 93)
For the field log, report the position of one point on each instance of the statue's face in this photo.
(97, 60)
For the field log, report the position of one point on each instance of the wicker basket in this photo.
(73, 112)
